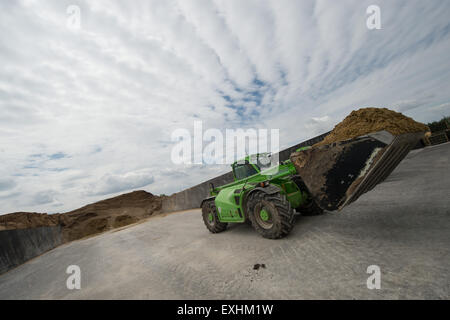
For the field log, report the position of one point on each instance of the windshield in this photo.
(261, 161)
(242, 171)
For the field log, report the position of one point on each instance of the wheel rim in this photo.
(263, 216)
(210, 216)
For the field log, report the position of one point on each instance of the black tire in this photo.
(279, 214)
(211, 219)
(311, 209)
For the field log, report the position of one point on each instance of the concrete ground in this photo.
(402, 226)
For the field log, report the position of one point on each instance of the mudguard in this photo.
(207, 199)
(270, 189)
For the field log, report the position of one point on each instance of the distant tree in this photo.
(440, 125)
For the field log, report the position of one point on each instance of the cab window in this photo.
(242, 171)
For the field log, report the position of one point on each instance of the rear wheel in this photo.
(271, 215)
(210, 217)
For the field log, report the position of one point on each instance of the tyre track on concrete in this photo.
(316, 256)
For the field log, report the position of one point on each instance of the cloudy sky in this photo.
(88, 113)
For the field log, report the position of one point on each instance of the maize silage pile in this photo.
(367, 120)
(92, 219)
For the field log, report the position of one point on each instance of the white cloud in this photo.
(113, 183)
(109, 96)
(45, 197)
(319, 125)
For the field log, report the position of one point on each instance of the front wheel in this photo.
(211, 219)
(271, 215)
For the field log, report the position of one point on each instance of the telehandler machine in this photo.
(314, 179)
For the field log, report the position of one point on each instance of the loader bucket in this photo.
(339, 173)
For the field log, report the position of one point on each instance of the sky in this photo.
(87, 110)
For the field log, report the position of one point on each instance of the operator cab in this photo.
(251, 165)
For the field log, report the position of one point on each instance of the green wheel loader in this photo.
(315, 179)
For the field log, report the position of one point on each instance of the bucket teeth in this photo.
(339, 173)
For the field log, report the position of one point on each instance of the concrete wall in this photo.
(18, 246)
(191, 198)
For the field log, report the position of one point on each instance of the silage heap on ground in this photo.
(92, 219)
(368, 120)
